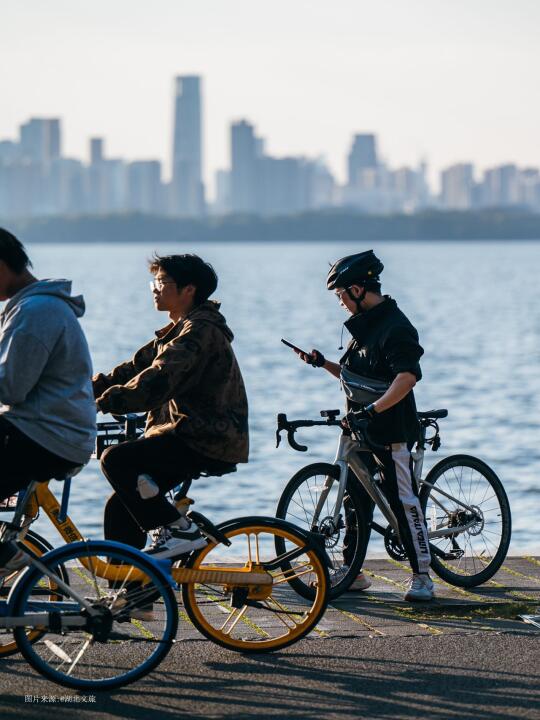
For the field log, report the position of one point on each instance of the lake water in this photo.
(476, 307)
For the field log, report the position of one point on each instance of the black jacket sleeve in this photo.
(402, 351)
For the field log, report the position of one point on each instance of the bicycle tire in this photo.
(473, 567)
(39, 545)
(117, 606)
(257, 631)
(354, 518)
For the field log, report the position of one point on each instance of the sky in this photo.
(446, 80)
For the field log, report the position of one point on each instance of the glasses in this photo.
(339, 293)
(158, 284)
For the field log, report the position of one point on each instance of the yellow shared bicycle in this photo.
(236, 590)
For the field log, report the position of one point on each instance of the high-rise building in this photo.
(10, 152)
(362, 156)
(40, 140)
(144, 186)
(96, 150)
(222, 204)
(187, 189)
(500, 186)
(245, 149)
(457, 187)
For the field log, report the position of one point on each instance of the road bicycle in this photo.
(464, 504)
(235, 590)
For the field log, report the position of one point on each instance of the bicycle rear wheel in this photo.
(110, 648)
(258, 618)
(39, 546)
(345, 541)
(479, 511)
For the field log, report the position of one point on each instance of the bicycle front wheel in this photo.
(253, 617)
(468, 519)
(96, 639)
(345, 540)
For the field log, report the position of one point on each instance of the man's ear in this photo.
(356, 291)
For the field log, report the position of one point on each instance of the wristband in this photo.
(318, 360)
(370, 410)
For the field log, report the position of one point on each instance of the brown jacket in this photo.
(189, 381)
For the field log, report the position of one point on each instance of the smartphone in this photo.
(288, 344)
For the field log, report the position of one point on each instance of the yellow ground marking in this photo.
(439, 581)
(432, 630)
(514, 593)
(137, 623)
(519, 574)
(357, 619)
(227, 608)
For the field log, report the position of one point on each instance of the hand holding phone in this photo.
(314, 358)
(296, 349)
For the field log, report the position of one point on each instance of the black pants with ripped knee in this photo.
(168, 460)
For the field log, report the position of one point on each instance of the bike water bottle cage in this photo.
(361, 389)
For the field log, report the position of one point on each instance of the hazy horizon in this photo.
(446, 81)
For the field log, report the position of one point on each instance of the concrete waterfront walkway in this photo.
(464, 655)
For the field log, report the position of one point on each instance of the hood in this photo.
(57, 288)
(208, 311)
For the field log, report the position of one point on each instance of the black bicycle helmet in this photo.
(355, 269)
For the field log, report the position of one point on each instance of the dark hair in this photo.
(187, 270)
(371, 286)
(13, 253)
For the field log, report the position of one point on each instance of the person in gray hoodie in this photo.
(47, 408)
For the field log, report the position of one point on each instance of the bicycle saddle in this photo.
(433, 414)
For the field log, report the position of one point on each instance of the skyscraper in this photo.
(245, 148)
(96, 150)
(363, 156)
(187, 189)
(40, 140)
(144, 186)
(457, 185)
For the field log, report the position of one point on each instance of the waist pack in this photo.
(361, 389)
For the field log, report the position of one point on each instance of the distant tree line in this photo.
(319, 226)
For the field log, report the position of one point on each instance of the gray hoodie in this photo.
(45, 370)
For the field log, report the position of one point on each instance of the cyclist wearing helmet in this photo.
(385, 347)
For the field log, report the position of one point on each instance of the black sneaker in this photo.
(172, 542)
(12, 558)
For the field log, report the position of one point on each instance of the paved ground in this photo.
(465, 655)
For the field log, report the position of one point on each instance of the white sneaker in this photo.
(337, 576)
(361, 583)
(173, 542)
(421, 588)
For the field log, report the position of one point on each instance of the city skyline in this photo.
(181, 155)
(432, 79)
(37, 179)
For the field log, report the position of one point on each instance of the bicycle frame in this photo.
(348, 457)
(39, 495)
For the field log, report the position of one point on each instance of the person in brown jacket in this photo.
(188, 381)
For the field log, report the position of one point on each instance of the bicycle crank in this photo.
(393, 545)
